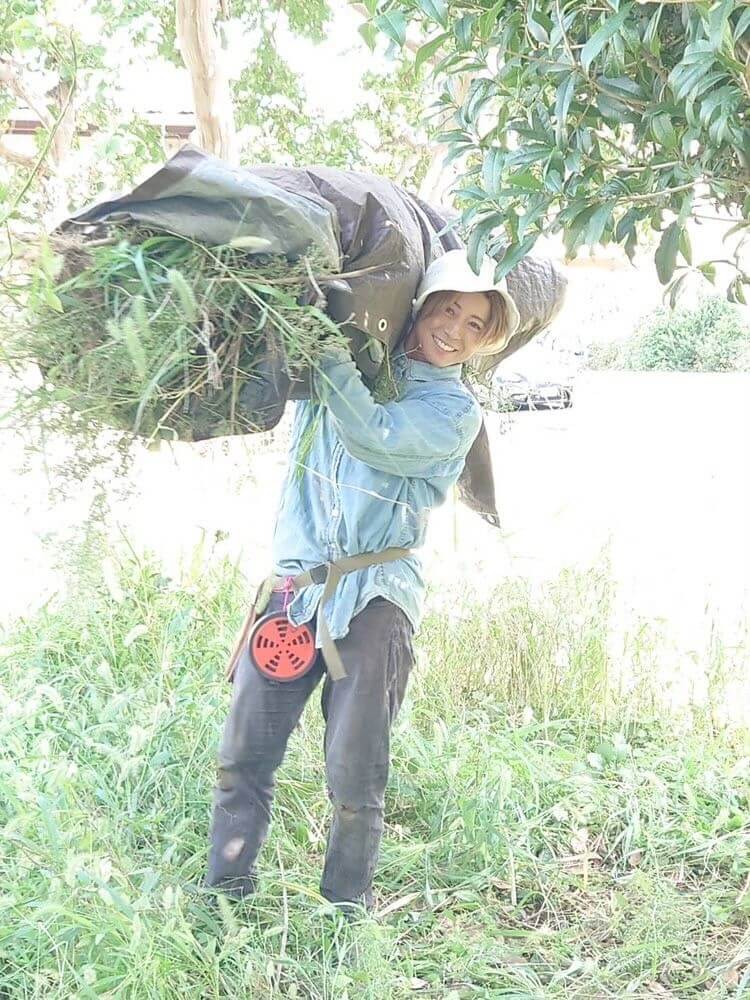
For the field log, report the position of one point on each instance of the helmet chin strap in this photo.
(410, 349)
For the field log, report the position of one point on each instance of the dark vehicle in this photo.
(513, 391)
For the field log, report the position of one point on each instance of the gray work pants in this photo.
(358, 712)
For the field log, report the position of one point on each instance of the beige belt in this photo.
(329, 575)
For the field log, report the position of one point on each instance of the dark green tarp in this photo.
(376, 238)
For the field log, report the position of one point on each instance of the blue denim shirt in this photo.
(372, 475)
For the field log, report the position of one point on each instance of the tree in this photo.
(599, 120)
(66, 74)
(200, 46)
(69, 77)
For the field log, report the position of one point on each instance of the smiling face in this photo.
(450, 327)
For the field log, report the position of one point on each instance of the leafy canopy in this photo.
(601, 120)
(105, 144)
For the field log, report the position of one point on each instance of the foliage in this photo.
(91, 51)
(600, 121)
(529, 857)
(271, 109)
(68, 75)
(712, 337)
(157, 335)
(277, 124)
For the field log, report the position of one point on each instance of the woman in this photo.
(363, 478)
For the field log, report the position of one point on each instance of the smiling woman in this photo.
(363, 478)
(452, 326)
(459, 313)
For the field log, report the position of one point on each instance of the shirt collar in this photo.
(420, 371)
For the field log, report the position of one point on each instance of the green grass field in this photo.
(549, 833)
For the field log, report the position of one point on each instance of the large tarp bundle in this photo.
(376, 238)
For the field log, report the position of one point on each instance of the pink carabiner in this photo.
(288, 591)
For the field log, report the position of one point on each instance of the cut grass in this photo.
(158, 335)
(529, 851)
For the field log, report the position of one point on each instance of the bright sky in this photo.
(331, 71)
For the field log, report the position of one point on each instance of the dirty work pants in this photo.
(358, 712)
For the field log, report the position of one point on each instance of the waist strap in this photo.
(328, 574)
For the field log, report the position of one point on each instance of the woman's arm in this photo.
(417, 437)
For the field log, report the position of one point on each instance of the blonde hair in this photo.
(495, 334)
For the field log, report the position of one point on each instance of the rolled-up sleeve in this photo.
(420, 436)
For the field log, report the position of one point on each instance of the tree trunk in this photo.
(202, 53)
(56, 188)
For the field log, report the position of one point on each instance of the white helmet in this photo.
(453, 273)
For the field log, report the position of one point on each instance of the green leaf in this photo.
(719, 130)
(597, 223)
(392, 24)
(736, 290)
(140, 266)
(698, 52)
(525, 180)
(573, 161)
(536, 207)
(718, 23)
(488, 20)
(478, 239)
(435, 9)
(663, 130)
(736, 228)
(537, 31)
(686, 207)
(613, 110)
(455, 135)
(463, 30)
(742, 25)
(480, 93)
(673, 288)
(427, 51)
(565, 93)
(513, 255)
(560, 27)
(686, 248)
(666, 253)
(631, 243)
(369, 33)
(601, 36)
(626, 225)
(52, 299)
(714, 102)
(622, 86)
(708, 270)
(553, 181)
(471, 193)
(533, 154)
(492, 170)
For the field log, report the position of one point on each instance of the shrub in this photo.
(712, 337)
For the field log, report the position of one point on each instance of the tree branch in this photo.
(633, 199)
(39, 163)
(10, 77)
(13, 156)
(66, 125)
